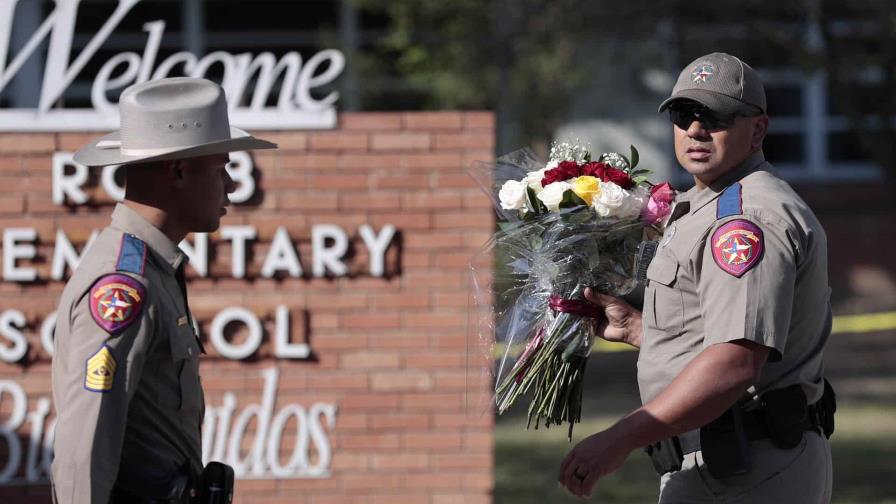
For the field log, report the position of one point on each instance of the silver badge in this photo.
(668, 237)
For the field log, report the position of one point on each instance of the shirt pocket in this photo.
(185, 356)
(664, 301)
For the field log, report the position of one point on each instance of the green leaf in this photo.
(640, 172)
(507, 226)
(571, 200)
(639, 180)
(534, 204)
(635, 157)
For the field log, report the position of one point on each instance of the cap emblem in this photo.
(703, 73)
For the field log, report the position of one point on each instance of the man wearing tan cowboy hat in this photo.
(735, 321)
(126, 368)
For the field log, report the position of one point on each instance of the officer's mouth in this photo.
(698, 153)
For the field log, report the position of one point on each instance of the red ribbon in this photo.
(575, 306)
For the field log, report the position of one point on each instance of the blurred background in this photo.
(595, 71)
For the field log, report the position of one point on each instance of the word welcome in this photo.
(296, 107)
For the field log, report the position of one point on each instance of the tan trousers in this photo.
(799, 475)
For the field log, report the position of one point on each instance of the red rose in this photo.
(564, 171)
(618, 177)
(595, 169)
(662, 193)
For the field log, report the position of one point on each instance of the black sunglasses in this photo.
(684, 116)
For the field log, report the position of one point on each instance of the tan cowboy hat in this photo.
(173, 118)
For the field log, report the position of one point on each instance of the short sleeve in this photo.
(746, 283)
(111, 328)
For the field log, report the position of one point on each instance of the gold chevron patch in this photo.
(100, 371)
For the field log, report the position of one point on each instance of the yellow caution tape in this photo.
(843, 324)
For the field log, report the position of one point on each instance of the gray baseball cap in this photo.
(721, 82)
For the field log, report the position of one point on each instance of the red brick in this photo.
(304, 201)
(12, 204)
(337, 140)
(370, 320)
(403, 220)
(338, 381)
(286, 140)
(370, 202)
(337, 182)
(433, 360)
(370, 161)
(401, 182)
(431, 481)
(442, 181)
(401, 301)
(370, 121)
(392, 421)
(369, 402)
(400, 381)
(431, 402)
(466, 140)
(427, 200)
(479, 498)
(479, 120)
(370, 481)
(366, 359)
(10, 164)
(400, 141)
(442, 239)
(433, 120)
(462, 461)
(400, 499)
(453, 260)
(366, 441)
(454, 220)
(400, 461)
(432, 161)
(27, 142)
(435, 320)
(473, 418)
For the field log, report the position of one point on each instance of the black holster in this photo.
(666, 455)
(725, 445)
(215, 485)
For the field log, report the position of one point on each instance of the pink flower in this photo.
(660, 203)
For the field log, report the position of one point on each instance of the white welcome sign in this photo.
(295, 106)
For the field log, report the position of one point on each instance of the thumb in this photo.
(602, 300)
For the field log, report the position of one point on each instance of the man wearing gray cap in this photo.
(735, 320)
(126, 368)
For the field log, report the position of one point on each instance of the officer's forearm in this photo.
(634, 329)
(709, 385)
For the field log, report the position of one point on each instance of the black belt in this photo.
(668, 454)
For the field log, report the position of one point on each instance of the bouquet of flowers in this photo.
(572, 223)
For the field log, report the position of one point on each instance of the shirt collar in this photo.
(131, 222)
(699, 198)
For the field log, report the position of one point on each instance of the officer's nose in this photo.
(229, 184)
(697, 130)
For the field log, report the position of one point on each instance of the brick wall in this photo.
(390, 352)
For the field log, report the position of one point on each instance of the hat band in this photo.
(116, 144)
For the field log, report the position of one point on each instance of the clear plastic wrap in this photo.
(541, 330)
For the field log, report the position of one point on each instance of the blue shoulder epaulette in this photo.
(131, 255)
(730, 202)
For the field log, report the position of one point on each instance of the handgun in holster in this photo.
(215, 484)
(725, 445)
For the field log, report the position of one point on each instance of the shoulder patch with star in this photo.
(116, 301)
(737, 246)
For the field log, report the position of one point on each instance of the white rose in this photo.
(533, 179)
(513, 195)
(552, 194)
(633, 203)
(611, 199)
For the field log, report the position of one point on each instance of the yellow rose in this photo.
(586, 188)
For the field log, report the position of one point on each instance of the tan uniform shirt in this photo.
(743, 259)
(125, 369)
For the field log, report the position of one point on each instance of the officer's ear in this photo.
(175, 170)
(760, 128)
